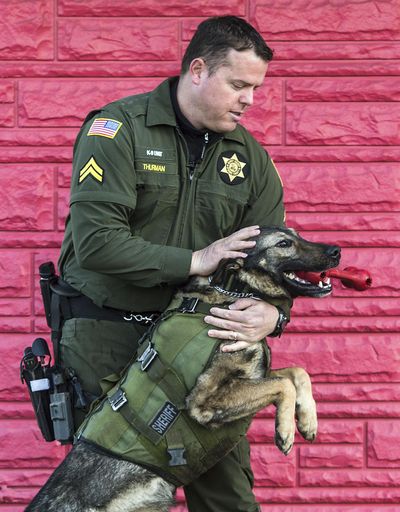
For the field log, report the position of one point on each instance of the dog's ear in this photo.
(226, 269)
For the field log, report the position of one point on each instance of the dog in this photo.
(233, 387)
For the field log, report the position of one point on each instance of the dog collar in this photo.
(236, 295)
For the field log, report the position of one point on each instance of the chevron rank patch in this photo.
(104, 127)
(93, 169)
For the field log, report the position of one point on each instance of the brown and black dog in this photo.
(235, 385)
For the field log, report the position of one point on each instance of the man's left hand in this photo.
(247, 321)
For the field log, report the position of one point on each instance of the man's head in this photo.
(224, 63)
(214, 38)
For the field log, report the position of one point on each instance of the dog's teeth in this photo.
(328, 280)
(321, 284)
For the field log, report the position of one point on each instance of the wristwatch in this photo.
(281, 323)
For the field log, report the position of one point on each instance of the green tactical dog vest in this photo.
(143, 418)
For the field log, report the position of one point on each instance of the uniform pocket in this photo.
(156, 206)
(219, 210)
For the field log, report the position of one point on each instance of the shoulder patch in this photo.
(91, 168)
(104, 127)
(232, 167)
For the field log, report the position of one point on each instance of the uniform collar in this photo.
(161, 111)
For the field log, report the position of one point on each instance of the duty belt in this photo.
(83, 307)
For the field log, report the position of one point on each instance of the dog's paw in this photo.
(284, 439)
(307, 423)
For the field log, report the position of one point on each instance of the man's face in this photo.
(224, 96)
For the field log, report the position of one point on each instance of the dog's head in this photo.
(270, 267)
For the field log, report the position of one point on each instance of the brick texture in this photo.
(328, 112)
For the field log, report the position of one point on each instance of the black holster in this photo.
(48, 388)
(55, 294)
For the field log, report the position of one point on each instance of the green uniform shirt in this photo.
(136, 211)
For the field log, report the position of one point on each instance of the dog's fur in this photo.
(234, 386)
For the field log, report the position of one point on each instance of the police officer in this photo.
(165, 185)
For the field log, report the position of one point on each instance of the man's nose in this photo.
(246, 98)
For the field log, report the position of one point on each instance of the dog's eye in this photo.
(284, 243)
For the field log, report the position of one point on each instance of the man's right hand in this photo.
(205, 261)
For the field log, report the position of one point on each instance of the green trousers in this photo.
(96, 349)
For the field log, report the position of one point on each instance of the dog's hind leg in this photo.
(306, 410)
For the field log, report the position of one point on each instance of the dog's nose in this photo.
(333, 251)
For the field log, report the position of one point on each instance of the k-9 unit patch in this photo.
(104, 127)
(232, 167)
(164, 418)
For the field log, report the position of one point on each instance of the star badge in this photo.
(232, 167)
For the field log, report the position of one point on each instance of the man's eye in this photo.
(237, 86)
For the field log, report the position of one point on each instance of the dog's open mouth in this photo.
(299, 286)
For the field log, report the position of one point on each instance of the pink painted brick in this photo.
(15, 324)
(28, 154)
(334, 153)
(311, 20)
(346, 187)
(326, 221)
(335, 495)
(343, 89)
(150, 8)
(15, 275)
(358, 409)
(342, 50)
(345, 324)
(354, 124)
(109, 39)
(26, 197)
(76, 69)
(271, 467)
(383, 444)
(21, 477)
(63, 207)
(337, 456)
(264, 119)
(7, 114)
(334, 357)
(361, 391)
(33, 451)
(349, 478)
(318, 507)
(329, 431)
(43, 137)
(343, 306)
(7, 91)
(64, 176)
(60, 111)
(20, 307)
(33, 26)
(26, 239)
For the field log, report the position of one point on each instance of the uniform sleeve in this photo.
(103, 198)
(267, 209)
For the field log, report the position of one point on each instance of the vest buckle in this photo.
(177, 457)
(147, 357)
(188, 305)
(117, 400)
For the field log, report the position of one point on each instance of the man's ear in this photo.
(196, 69)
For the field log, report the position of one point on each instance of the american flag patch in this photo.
(104, 127)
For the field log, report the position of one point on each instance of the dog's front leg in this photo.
(306, 410)
(212, 405)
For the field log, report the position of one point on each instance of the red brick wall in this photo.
(329, 114)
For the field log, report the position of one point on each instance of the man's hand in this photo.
(246, 321)
(205, 261)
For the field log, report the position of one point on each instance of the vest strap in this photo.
(119, 403)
